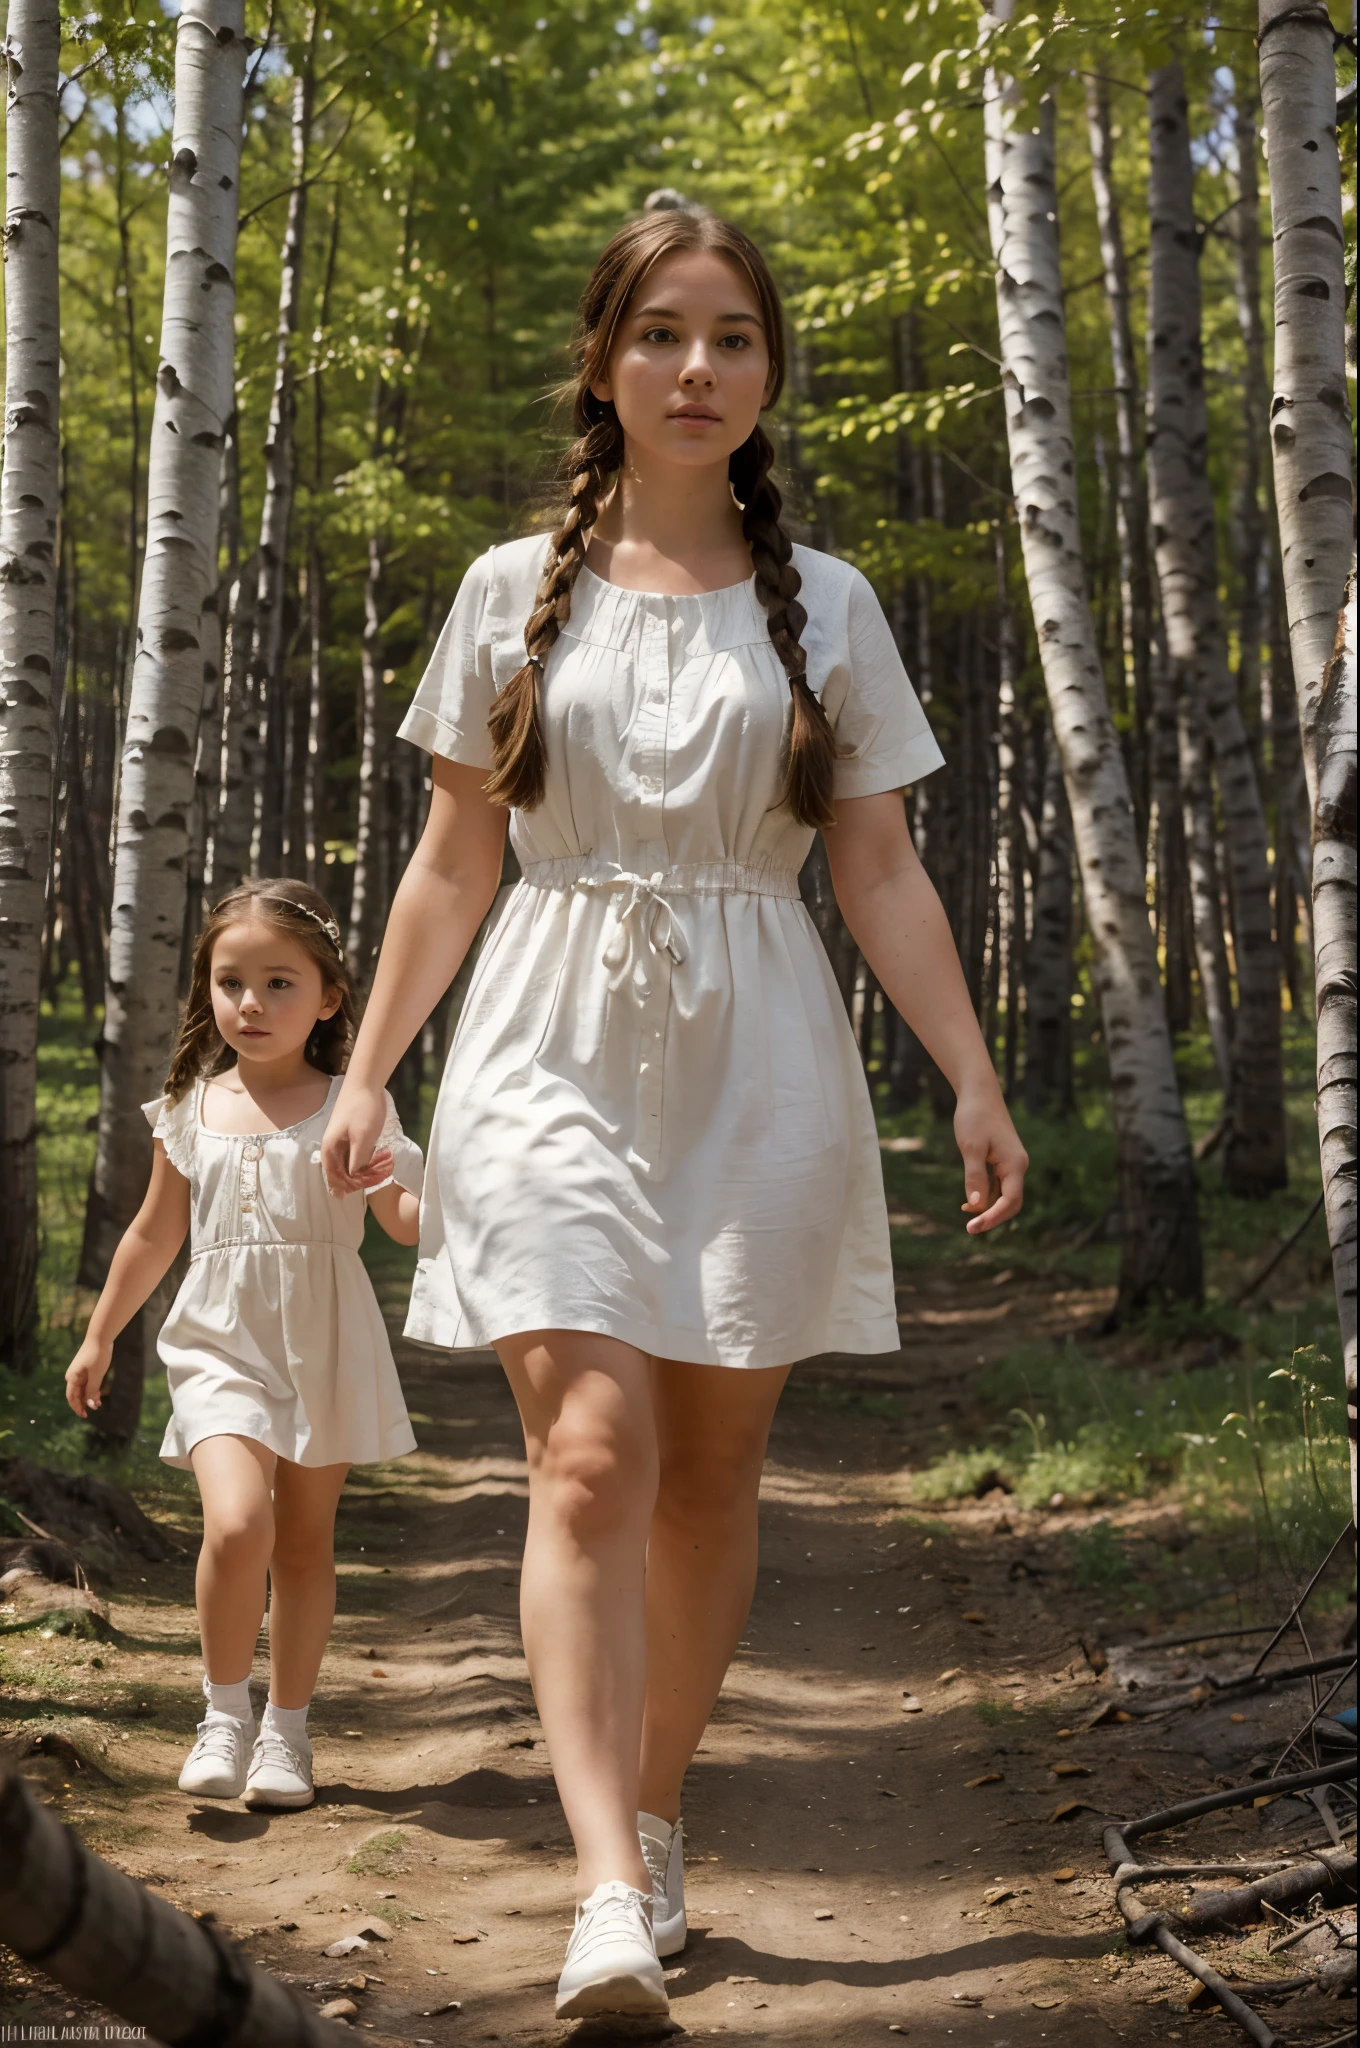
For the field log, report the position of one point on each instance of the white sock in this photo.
(229, 1699)
(290, 1723)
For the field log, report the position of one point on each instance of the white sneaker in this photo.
(279, 1774)
(663, 1851)
(215, 1767)
(611, 1964)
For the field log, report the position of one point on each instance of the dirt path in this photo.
(840, 1858)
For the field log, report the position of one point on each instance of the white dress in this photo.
(654, 1122)
(276, 1333)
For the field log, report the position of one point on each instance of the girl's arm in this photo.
(438, 909)
(398, 1212)
(144, 1256)
(897, 921)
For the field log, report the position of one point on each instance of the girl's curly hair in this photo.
(304, 914)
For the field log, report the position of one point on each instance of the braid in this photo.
(812, 744)
(515, 722)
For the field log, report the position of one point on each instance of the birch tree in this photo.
(29, 499)
(1185, 540)
(267, 680)
(1312, 451)
(1161, 1252)
(176, 623)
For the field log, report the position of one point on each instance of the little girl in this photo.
(281, 1375)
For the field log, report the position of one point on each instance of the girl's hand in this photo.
(85, 1376)
(348, 1159)
(993, 1158)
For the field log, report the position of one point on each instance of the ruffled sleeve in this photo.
(173, 1123)
(408, 1161)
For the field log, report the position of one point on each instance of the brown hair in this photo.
(589, 469)
(304, 914)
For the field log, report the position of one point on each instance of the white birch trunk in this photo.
(1185, 540)
(266, 659)
(30, 493)
(1312, 450)
(176, 623)
(1161, 1242)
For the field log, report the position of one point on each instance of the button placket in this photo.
(248, 1184)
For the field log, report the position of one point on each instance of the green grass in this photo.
(379, 1856)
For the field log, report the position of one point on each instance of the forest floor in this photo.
(977, 1522)
(436, 1817)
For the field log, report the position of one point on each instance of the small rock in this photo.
(997, 1893)
(1064, 1876)
(339, 2009)
(948, 1677)
(286, 1926)
(823, 1913)
(348, 1945)
(359, 1983)
(1070, 1770)
(987, 1778)
(910, 1704)
(743, 1980)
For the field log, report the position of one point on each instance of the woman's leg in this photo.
(712, 1424)
(586, 1406)
(301, 1577)
(234, 1479)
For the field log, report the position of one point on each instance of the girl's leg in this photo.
(234, 1477)
(301, 1577)
(586, 1406)
(712, 1425)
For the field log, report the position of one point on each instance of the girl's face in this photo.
(690, 368)
(268, 993)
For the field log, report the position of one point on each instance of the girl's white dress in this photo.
(276, 1333)
(654, 1121)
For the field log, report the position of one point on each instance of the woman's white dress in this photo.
(276, 1333)
(654, 1122)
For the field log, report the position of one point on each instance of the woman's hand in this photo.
(994, 1160)
(85, 1376)
(348, 1158)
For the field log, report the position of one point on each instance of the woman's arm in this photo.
(897, 921)
(145, 1254)
(436, 913)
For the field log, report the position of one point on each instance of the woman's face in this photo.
(690, 367)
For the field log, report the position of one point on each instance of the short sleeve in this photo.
(884, 735)
(408, 1161)
(453, 699)
(173, 1123)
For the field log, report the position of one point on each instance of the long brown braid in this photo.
(589, 470)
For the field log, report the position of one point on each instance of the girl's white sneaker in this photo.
(279, 1775)
(663, 1851)
(216, 1766)
(611, 1964)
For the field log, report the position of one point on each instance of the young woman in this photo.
(654, 1178)
(281, 1375)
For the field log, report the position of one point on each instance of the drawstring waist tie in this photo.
(646, 923)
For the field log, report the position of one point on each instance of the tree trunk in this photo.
(1009, 938)
(266, 658)
(179, 582)
(1312, 450)
(368, 834)
(30, 495)
(1184, 535)
(102, 1934)
(1161, 1255)
(235, 790)
(1048, 969)
(1200, 840)
(314, 772)
(1249, 526)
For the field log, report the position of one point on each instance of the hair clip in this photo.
(327, 924)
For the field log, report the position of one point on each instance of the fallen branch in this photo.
(1282, 1253)
(1281, 1889)
(102, 1935)
(1143, 1924)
